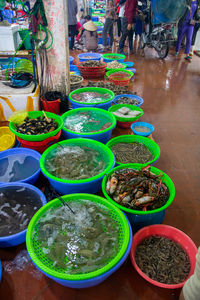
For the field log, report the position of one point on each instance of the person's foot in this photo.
(176, 54)
(188, 58)
(104, 49)
(131, 51)
(191, 54)
(109, 48)
(124, 53)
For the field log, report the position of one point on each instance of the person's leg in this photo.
(119, 26)
(73, 34)
(110, 31)
(189, 33)
(196, 28)
(181, 33)
(130, 40)
(104, 32)
(124, 34)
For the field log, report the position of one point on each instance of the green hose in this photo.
(15, 55)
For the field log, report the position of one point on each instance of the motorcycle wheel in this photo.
(163, 48)
(163, 52)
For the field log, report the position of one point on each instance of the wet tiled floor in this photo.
(171, 93)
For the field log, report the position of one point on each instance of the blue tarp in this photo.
(167, 11)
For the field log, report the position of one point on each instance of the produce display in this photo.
(92, 64)
(132, 153)
(113, 56)
(36, 126)
(87, 121)
(115, 65)
(16, 168)
(128, 100)
(162, 260)
(137, 189)
(78, 242)
(74, 162)
(17, 207)
(126, 112)
(118, 90)
(90, 97)
(75, 79)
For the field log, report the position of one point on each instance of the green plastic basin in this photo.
(39, 137)
(165, 179)
(130, 106)
(151, 145)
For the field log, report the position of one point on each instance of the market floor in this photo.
(171, 92)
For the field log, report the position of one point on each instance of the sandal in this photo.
(188, 57)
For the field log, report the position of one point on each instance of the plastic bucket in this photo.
(27, 42)
(71, 58)
(40, 146)
(51, 106)
(172, 233)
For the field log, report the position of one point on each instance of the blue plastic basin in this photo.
(129, 64)
(20, 237)
(95, 19)
(140, 221)
(71, 60)
(109, 60)
(66, 187)
(102, 137)
(115, 100)
(95, 56)
(91, 187)
(82, 284)
(20, 153)
(151, 128)
(105, 105)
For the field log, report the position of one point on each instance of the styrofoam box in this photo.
(9, 37)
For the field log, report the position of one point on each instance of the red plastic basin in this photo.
(124, 124)
(169, 232)
(40, 146)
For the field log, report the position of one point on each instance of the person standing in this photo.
(127, 25)
(110, 14)
(191, 289)
(196, 28)
(72, 20)
(186, 26)
(118, 19)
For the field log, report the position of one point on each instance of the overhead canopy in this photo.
(168, 11)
